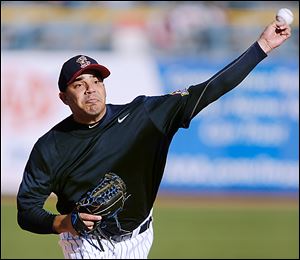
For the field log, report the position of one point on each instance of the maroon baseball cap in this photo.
(75, 66)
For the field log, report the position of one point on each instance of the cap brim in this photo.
(104, 72)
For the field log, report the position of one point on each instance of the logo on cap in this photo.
(82, 60)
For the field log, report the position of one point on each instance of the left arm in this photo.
(234, 73)
(169, 112)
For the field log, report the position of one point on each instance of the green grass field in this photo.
(187, 228)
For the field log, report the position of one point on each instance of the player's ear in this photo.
(63, 97)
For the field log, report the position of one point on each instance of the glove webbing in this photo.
(97, 232)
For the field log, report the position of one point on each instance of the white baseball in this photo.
(286, 15)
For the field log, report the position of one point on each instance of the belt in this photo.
(140, 230)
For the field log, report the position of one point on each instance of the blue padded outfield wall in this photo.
(248, 140)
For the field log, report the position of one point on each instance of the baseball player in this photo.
(131, 140)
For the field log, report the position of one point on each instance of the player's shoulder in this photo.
(115, 108)
(149, 101)
(138, 100)
(45, 144)
(172, 97)
(48, 138)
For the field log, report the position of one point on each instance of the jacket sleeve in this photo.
(222, 82)
(175, 110)
(34, 189)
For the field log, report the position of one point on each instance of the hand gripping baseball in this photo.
(274, 35)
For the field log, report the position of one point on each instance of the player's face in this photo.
(86, 98)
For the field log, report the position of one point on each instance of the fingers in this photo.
(89, 219)
(89, 224)
(284, 30)
(282, 25)
(279, 21)
(285, 33)
(86, 216)
(281, 28)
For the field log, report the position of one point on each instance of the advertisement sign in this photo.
(246, 140)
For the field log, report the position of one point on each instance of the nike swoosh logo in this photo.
(92, 126)
(120, 120)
